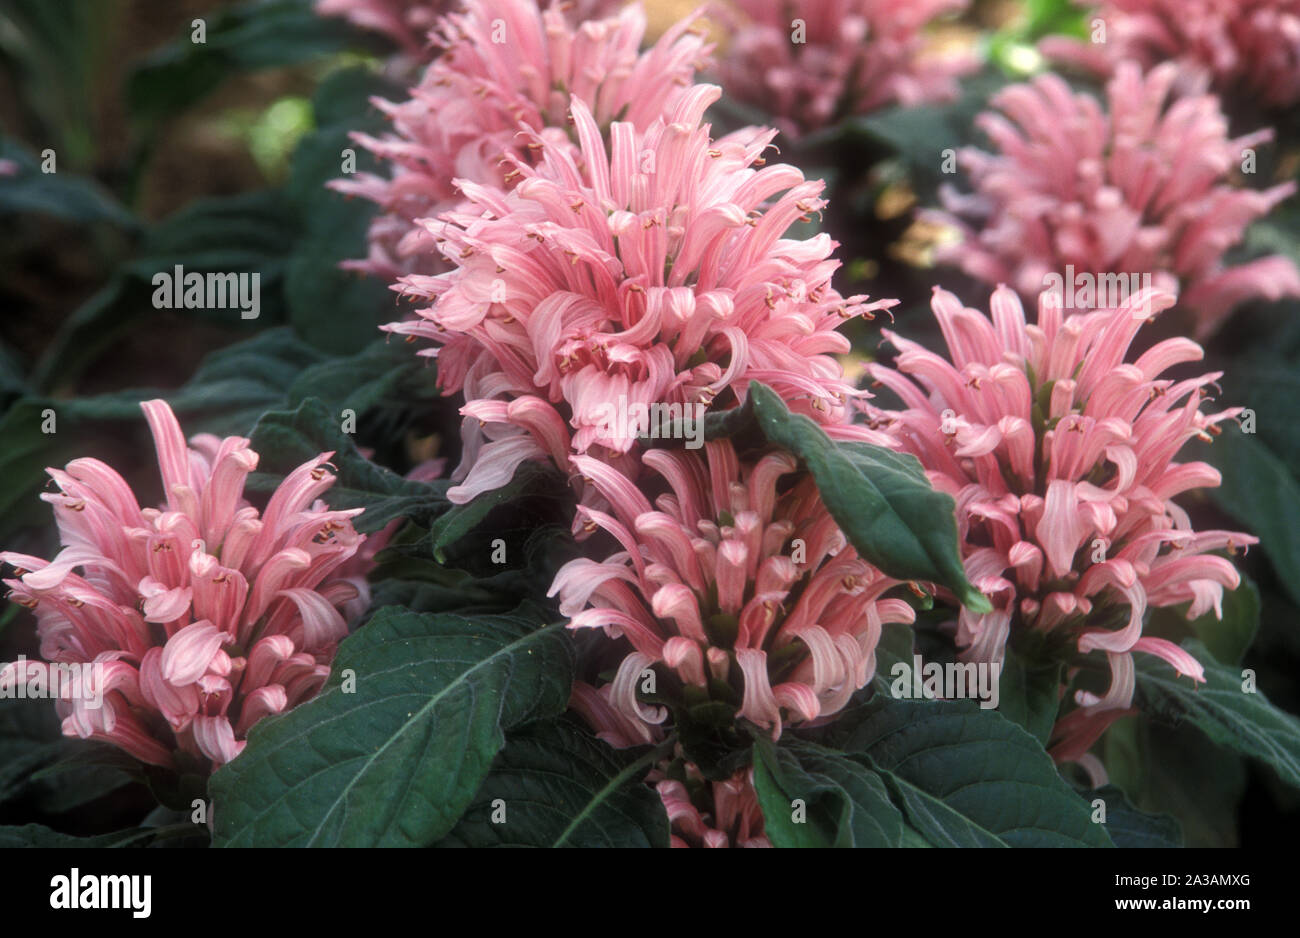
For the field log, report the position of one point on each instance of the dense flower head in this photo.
(202, 616)
(811, 65)
(1240, 47)
(507, 65)
(652, 272)
(727, 581)
(1060, 455)
(1138, 189)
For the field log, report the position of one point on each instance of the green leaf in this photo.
(1222, 710)
(337, 310)
(966, 776)
(881, 500)
(1029, 694)
(253, 35)
(60, 194)
(1260, 491)
(397, 761)
(1129, 827)
(460, 520)
(815, 797)
(36, 835)
(286, 439)
(560, 787)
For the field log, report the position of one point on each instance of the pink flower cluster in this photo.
(726, 580)
(406, 22)
(811, 65)
(650, 271)
(1060, 455)
(200, 617)
(1138, 189)
(506, 66)
(1249, 48)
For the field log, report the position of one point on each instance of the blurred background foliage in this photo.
(214, 156)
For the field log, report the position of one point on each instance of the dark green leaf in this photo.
(286, 439)
(1259, 490)
(966, 776)
(1129, 827)
(1029, 694)
(560, 787)
(396, 762)
(1222, 710)
(815, 797)
(881, 500)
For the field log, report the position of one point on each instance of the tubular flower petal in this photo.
(726, 594)
(201, 618)
(1093, 201)
(839, 58)
(1083, 537)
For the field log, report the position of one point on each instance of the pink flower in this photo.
(1141, 190)
(651, 272)
(406, 22)
(203, 616)
(814, 64)
(1060, 455)
(1241, 47)
(713, 814)
(506, 65)
(724, 582)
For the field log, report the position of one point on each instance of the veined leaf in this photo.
(397, 761)
(881, 500)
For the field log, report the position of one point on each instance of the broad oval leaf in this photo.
(881, 500)
(396, 761)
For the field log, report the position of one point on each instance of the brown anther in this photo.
(577, 205)
(76, 603)
(714, 152)
(319, 473)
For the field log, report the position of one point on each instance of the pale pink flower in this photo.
(204, 615)
(1138, 189)
(1060, 455)
(713, 814)
(814, 64)
(724, 579)
(652, 272)
(506, 65)
(1249, 48)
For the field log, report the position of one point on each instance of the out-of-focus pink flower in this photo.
(1060, 455)
(651, 272)
(406, 22)
(202, 616)
(811, 65)
(1139, 190)
(507, 65)
(713, 814)
(724, 579)
(1240, 47)
(8, 168)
